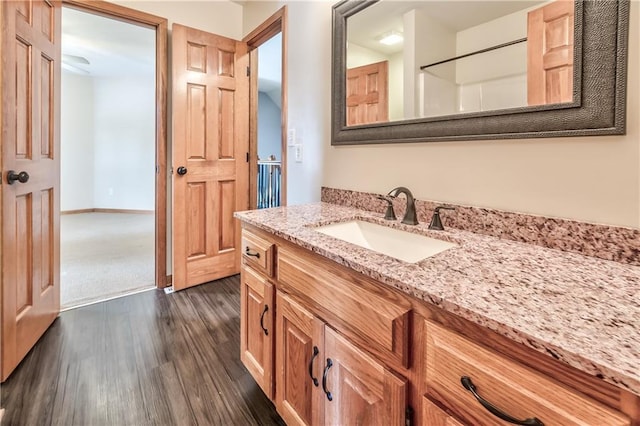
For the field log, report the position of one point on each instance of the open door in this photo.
(210, 154)
(30, 92)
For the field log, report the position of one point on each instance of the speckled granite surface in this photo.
(603, 241)
(581, 310)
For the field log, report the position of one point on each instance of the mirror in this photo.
(434, 58)
(477, 75)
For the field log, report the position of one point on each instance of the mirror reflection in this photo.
(415, 59)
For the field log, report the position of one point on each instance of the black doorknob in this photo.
(12, 176)
(182, 170)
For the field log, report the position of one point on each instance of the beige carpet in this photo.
(105, 255)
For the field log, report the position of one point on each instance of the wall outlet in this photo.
(291, 137)
(297, 153)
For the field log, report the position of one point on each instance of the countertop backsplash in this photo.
(606, 242)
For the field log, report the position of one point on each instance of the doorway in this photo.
(269, 123)
(268, 112)
(108, 234)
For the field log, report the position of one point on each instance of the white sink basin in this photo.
(383, 239)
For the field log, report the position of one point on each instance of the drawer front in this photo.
(514, 389)
(376, 318)
(257, 253)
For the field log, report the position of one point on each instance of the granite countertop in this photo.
(580, 310)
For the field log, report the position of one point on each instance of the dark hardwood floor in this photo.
(145, 359)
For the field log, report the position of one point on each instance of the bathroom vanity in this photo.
(484, 331)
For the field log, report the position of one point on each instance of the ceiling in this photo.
(111, 47)
(97, 46)
(366, 26)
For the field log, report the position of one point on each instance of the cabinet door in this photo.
(299, 355)
(358, 389)
(432, 415)
(256, 328)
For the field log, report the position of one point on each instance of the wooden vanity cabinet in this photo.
(515, 390)
(257, 297)
(322, 378)
(299, 362)
(392, 354)
(256, 328)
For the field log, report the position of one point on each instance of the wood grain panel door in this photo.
(256, 328)
(210, 148)
(299, 363)
(363, 392)
(31, 149)
(368, 94)
(550, 53)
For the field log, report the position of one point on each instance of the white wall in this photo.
(108, 143)
(269, 128)
(309, 88)
(427, 41)
(76, 140)
(124, 137)
(595, 179)
(221, 17)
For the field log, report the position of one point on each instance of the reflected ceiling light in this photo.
(391, 38)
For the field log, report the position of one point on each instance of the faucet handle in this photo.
(436, 222)
(389, 214)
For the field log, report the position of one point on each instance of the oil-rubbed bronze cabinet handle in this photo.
(324, 379)
(315, 354)
(248, 252)
(266, 308)
(468, 385)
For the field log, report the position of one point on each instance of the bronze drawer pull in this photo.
(468, 385)
(248, 252)
(266, 308)
(324, 379)
(315, 354)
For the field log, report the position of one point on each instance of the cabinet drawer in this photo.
(376, 318)
(512, 388)
(257, 253)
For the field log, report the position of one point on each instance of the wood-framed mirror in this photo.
(594, 102)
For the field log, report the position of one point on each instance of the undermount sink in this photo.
(392, 242)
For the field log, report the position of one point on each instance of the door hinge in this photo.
(247, 157)
(408, 416)
(248, 71)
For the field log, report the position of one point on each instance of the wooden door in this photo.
(363, 392)
(550, 53)
(210, 149)
(299, 363)
(256, 328)
(367, 94)
(30, 146)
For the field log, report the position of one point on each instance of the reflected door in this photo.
(367, 94)
(550, 53)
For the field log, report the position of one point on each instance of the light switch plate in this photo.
(291, 137)
(297, 149)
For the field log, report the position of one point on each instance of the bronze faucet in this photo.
(410, 217)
